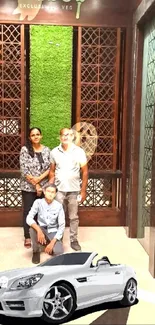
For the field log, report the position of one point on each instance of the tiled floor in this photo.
(109, 241)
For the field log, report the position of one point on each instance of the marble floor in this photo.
(110, 241)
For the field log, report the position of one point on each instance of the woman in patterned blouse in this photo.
(34, 166)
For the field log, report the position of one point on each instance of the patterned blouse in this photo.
(32, 166)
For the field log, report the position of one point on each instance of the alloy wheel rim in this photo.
(132, 291)
(57, 303)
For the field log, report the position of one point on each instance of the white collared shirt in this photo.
(50, 215)
(68, 164)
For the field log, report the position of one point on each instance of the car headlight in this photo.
(3, 282)
(26, 282)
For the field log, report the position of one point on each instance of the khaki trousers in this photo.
(70, 204)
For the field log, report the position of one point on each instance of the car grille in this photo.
(1, 308)
(15, 305)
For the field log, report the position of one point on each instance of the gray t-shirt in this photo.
(67, 169)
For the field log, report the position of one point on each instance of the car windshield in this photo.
(67, 259)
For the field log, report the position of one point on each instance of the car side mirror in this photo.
(102, 263)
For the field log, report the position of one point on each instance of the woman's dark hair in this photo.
(29, 143)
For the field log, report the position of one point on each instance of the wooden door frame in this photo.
(139, 18)
(144, 12)
(107, 216)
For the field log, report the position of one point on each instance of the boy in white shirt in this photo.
(50, 225)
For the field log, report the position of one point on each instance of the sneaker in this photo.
(75, 245)
(36, 257)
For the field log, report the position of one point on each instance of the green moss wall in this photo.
(50, 80)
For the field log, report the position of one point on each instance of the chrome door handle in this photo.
(117, 272)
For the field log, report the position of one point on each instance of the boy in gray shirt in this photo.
(50, 225)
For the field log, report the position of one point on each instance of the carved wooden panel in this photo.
(11, 111)
(97, 104)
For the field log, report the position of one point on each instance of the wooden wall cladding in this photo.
(72, 12)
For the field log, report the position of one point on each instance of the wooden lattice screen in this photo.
(11, 113)
(97, 104)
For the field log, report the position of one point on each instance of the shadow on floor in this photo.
(114, 315)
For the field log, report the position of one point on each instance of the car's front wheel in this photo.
(130, 293)
(59, 304)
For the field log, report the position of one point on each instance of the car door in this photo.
(107, 282)
(100, 283)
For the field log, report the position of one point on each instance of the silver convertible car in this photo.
(56, 288)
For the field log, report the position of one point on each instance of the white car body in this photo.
(91, 284)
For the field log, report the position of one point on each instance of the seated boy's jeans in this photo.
(58, 247)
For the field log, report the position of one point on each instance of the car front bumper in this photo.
(24, 303)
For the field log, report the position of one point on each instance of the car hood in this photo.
(54, 269)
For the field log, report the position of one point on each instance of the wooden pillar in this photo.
(137, 56)
(125, 125)
(144, 13)
(152, 216)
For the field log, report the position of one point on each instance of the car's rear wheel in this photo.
(59, 304)
(130, 293)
